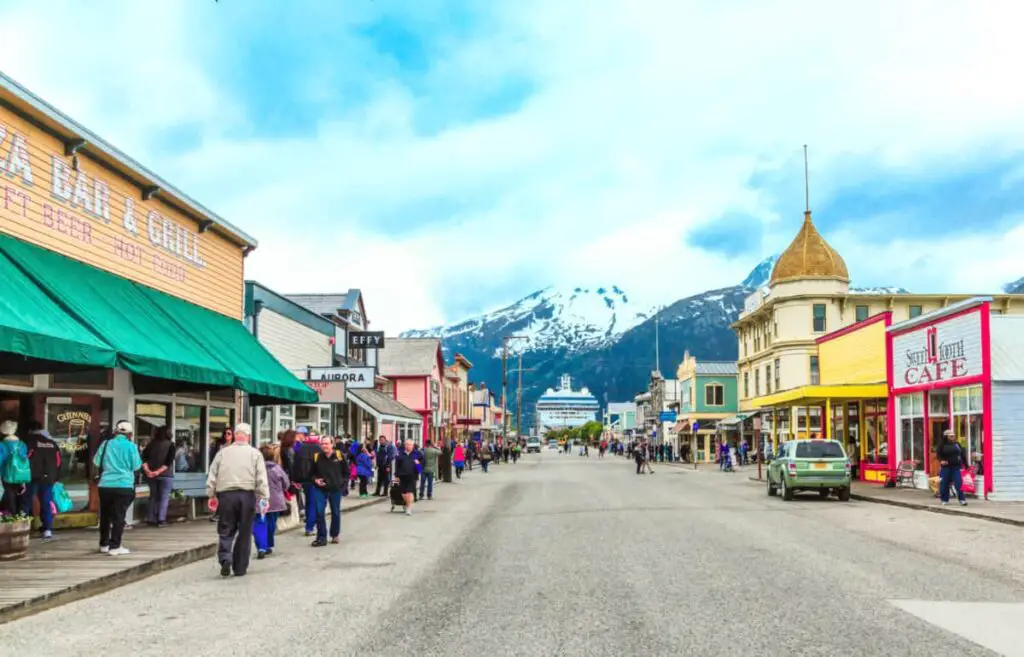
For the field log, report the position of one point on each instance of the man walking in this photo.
(431, 455)
(330, 483)
(237, 481)
(385, 460)
(406, 466)
(44, 459)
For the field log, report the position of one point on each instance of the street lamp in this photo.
(504, 381)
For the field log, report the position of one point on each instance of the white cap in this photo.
(243, 428)
(124, 427)
(8, 428)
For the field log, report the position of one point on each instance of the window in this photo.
(768, 379)
(819, 449)
(862, 313)
(746, 385)
(777, 368)
(757, 382)
(23, 380)
(265, 425)
(968, 423)
(815, 375)
(915, 311)
(219, 420)
(876, 449)
(714, 394)
(149, 416)
(819, 318)
(190, 436)
(285, 418)
(910, 426)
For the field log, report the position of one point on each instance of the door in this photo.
(75, 424)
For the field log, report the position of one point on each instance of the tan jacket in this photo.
(238, 467)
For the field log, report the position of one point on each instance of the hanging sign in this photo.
(366, 339)
(358, 378)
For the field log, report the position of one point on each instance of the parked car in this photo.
(553, 444)
(533, 445)
(802, 465)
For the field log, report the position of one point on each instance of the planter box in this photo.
(177, 510)
(14, 538)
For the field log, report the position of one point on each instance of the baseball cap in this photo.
(125, 427)
(303, 430)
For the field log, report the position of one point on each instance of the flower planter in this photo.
(177, 510)
(14, 539)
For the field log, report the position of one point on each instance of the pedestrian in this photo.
(385, 461)
(459, 459)
(330, 484)
(364, 470)
(950, 455)
(158, 467)
(237, 481)
(44, 459)
(638, 456)
(118, 460)
(406, 465)
(485, 457)
(15, 468)
(302, 473)
(431, 456)
(277, 484)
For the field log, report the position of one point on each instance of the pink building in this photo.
(414, 368)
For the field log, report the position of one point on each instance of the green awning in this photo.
(146, 341)
(37, 336)
(255, 369)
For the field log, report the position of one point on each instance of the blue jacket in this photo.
(120, 459)
(364, 465)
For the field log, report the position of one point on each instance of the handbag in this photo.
(61, 500)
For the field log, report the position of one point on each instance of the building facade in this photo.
(414, 368)
(708, 395)
(456, 400)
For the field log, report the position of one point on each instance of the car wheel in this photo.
(844, 494)
(823, 493)
(787, 492)
(772, 492)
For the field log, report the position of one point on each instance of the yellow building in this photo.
(788, 330)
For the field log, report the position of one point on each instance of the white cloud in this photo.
(647, 120)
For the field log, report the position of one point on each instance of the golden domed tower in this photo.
(809, 257)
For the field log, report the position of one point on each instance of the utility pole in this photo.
(519, 399)
(657, 340)
(504, 383)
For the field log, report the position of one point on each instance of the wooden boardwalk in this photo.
(70, 567)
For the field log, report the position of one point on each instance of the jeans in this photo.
(363, 483)
(322, 498)
(483, 464)
(311, 507)
(383, 481)
(45, 493)
(159, 497)
(427, 482)
(947, 476)
(272, 528)
(114, 503)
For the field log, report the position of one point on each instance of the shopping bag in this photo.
(967, 475)
(61, 499)
(259, 532)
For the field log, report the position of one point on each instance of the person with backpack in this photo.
(44, 458)
(158, 466)
(330, 484)
(15, 468)
(429, 459)
(118, 460)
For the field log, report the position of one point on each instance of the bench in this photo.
(193, 487)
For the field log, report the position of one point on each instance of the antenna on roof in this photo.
(807, 184)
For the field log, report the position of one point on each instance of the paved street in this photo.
(561, 555)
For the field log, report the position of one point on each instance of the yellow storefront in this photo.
(848, 402)
(136, 297)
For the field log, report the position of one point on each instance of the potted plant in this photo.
(14, 535)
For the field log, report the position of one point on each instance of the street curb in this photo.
(939, 509)
(128, 576)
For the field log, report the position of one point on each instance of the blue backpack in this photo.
(61, 499)
(18, 469)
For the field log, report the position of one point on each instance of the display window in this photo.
(969, 425)
(875, 449)
(911, 429)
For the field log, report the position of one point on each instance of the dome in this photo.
(809, 256)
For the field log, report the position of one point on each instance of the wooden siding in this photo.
(1007, 441)
(297, 346)
(96, 216)
(411, 392)
(854, 358)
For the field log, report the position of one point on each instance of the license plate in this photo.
(820, 466)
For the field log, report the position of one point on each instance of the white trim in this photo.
(929, 317)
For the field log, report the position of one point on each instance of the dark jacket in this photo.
(332, 469)
(159, 453)
(952, 453)
(44, 457)
(385, 456)
(405, 465)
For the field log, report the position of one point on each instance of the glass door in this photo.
(938, 423)
(75, 424)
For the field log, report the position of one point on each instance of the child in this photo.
(265, 528)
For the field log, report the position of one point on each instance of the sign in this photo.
(667, 416)
(366, 339)
(329, 392)
(435, 394)
(356, 378)
(942, 353)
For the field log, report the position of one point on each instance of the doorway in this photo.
(75, 423)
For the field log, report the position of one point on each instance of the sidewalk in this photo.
(70, 568)
(1010, 513)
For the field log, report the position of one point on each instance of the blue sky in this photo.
(451, 157)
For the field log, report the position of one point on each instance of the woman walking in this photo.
(364, 470)
(459, 459)
(951, 459)
(118, 460)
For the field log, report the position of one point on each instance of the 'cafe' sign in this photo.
(941, 353)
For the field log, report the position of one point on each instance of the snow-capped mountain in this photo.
(570, 319)
(1016, 287)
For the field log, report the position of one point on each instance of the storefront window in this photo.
(220, 420)
(285, 418)
(838, 424)
(189, 437)
(69, 426)
(265, 425)
(853, 427)
(325, 421)
(911, 429)
(876, 448)
(815, 416)
(968, 423)
(149, 416)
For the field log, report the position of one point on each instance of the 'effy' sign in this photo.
(939, 353)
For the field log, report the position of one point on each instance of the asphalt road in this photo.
(561, 555)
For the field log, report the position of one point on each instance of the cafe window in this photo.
(714, 394)
(862, 313)
(969, 424)
(70, 425)
(815, 374)
(190, 438)
(911, 429)
(149, 416)
(915, 311)
(219, 420)
(265, 425)
(83, 380)
(818, 313)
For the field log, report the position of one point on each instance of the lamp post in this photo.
(504, 382)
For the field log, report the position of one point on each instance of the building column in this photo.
(827, 420)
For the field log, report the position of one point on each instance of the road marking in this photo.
(992, 625)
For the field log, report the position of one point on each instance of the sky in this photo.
(448, 158)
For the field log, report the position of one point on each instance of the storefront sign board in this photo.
(357, 378)
(366, 339)
(942, 353)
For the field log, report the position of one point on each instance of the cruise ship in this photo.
(565, 407)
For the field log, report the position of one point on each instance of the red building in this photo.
(414, 368)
